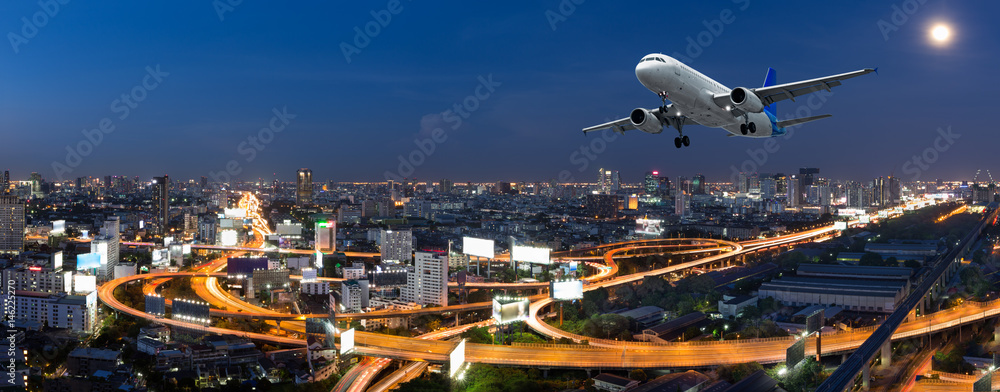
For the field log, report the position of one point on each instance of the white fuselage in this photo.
(691, 93)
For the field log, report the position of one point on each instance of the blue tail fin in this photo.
(770, 80)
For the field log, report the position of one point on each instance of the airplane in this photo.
(697, 99)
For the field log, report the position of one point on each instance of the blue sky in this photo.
(353, 120)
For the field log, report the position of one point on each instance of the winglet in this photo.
(876, 70)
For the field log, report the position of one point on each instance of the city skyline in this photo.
(353, 120)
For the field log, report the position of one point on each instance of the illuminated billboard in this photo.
(186, 248)
(840, 225)
(649, 226)
(229, 238)
(477, 247)
(456, 359)
(243, 267)
(88, 261)
(509, 310)
(235, 213)
(156, 305)
(567, 290)
(58, 227)
(529, 254)
(84, 283)
(347, 341)
(194, 312)
(57, 260)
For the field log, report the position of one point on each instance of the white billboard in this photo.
(864, 219)
(167, 241)
(346, 341)
(87, 261)
(456, 359)
(477, 247)
(229, 237)
(509, 310)
(84, 283)
(57, 260)
(531, 255)
(58, 227)
(161, 256)
(840, 225)
(186, 248)
(235, 213)
(649, 226)
(567, 290)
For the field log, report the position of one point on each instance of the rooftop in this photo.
(613, 379)
(95, 353)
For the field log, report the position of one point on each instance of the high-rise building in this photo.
(326, 237)
(807, 176)
(397, 245)
(37, 183)
(11, 224)
(161, 203)
(742, 185)
(303, 187)
(768, 187)
(794, 195)
(445, 186)
(651, 182)
(682, 203)
(4, 182)
(110, 233)
(428, 283)
(698, 184)
(602, 206)
(664, 186)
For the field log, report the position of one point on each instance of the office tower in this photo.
(397, 245)
(204, 182)
(36, 186)
(807, 176)
(794, 195)
(698, 184)
(753, 183)
(616, 181)
(11, 224)
(601, 206)
(445, 186)
(110, 233)
(651, 183)
(428, 283)
(895, 190)
(604, 181)
(742, 184)
(326, 237)
(161, 203)
(682, 200)
(664, 186)
(780, 184)
(4, 182)
(768, 187)
(304, 187)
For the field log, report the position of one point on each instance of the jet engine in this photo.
(645, 121)
(746, 100)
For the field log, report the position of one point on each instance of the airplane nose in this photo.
(646, 73)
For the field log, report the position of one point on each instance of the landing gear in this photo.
(743, 129)
(682, 141)
(663, 100)
(751, 128)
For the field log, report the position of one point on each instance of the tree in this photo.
(871, 259)
(736, 372)
(637, 375)
(913, 264)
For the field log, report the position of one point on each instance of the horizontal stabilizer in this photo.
(797, 121)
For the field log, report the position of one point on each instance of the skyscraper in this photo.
(326, 237)
(110, 236)
(304, 187)
(807, 176)
(11, 224)
(161, 203)
(4, 182)
(794, 193)
(698, 184)
(651, 184)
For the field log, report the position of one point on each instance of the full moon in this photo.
(940, 33)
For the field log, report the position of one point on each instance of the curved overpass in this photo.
(618, 354)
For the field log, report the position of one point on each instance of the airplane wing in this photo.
(621, 125)
(772, 94)
(780, 92)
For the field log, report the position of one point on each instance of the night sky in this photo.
(353, 120)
